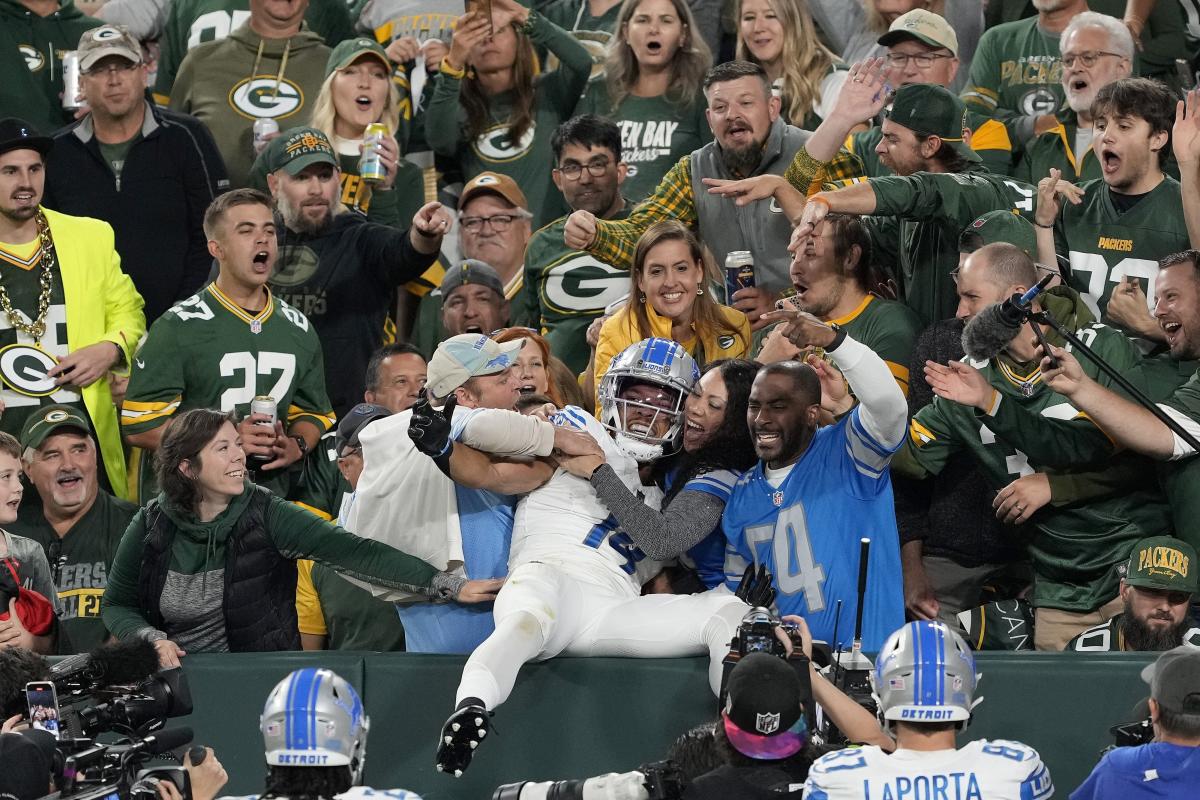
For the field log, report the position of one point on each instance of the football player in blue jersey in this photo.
(816, 491)
(924, 681)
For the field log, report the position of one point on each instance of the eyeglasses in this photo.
(922, 60)
(1088, 59)
(124, 68)
(499, 222)
(595, 168)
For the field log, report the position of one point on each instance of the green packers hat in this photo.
(931, 110)
(48, 420)
(924, 26)
(351, 50)
(295, 149)
(1175, 679)
(1162, 562)
(1004, 226)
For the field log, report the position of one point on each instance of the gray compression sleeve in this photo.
(688, 518)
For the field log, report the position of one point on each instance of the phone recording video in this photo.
(43, 706)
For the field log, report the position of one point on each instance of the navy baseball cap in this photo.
(352, 425)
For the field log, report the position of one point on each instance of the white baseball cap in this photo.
(466, 356)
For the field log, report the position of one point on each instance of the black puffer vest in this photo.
(260, 584)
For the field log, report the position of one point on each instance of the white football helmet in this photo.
(659, 362)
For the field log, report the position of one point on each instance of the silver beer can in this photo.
(263, 127)
(71, 100)
(264, 404)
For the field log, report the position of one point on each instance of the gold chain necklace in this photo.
(36, 328)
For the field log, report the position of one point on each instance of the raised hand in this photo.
(960, 383)
(1185, 135)
(1050, 192)
(429, 428)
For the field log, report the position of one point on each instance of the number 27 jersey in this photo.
(807, 534)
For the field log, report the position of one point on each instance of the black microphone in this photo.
(119, 663)
(990, 331)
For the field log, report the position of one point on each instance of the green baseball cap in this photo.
(1162, 562)
(295, 149)
(351, 50)
(48, 420)
(1003, 226)
(932, 110)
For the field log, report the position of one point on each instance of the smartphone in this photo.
(483, 7)
(43, 706)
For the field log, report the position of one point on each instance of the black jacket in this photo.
(344, 280)
(156, 209)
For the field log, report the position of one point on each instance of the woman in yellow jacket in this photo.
(669, 298)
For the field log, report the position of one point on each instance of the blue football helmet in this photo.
(659, 362)
(925, 672)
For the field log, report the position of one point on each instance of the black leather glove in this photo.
(430, 430)
(756, 589)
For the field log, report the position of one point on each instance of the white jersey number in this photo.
(797, 570)
(245, 368)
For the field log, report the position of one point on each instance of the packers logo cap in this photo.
(48, 420)
(924, 26)
(1164, 563)
(295, 149)
(352, 50)
(107, 40)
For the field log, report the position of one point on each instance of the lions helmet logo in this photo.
(266, 98)
(33, 57)
(494, 145)
(766, 724)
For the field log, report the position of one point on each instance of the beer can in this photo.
(264, 404)
(370, 165)
(739, 273)
(263, 127)
(71, 85)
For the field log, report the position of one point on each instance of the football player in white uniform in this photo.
(575, 577)
(924, 681)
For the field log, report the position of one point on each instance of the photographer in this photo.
(1171, 763)
(27, 758)
(924, 679)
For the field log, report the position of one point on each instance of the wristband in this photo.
(839, 336)
(458, 73)
(1040, 225)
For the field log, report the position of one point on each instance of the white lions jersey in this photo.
(564, 522)
(981, 770)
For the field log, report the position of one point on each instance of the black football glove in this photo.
(756, 589)
(430, 430)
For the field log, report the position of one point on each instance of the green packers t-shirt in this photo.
(115, 154)
(25, 361)
(87, 550)
(655, 134)
(1016, 75)
(566, 290)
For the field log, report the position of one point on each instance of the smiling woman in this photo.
(668, 298)
(209, 565)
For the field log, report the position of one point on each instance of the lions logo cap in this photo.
(494, 183)
(48, 420)
(763, 717)
(466, 356)
(924, 26)
(927, 109)
(1164, 563)
(107, 40)
(295, 149)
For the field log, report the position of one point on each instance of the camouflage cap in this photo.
(1162, 562)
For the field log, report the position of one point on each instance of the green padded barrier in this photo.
(574, 717)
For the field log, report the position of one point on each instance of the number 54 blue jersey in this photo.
(807, 533)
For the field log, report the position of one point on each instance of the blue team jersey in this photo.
(708, 556)
(807, 533)
(1155, 770)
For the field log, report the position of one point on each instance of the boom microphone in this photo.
(160, 742)
(990, 331)
(114, 664)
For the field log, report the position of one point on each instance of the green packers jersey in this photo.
(1055, 149)
(1109, 637)
(566, 290)
(989, 140)
(655, 134)
(206, 352)
(320, 486)
(1181, 479)
(86, 553)
(193, 22)
(1104, 245)
(24, 361)
(930, 210)
(1016, 73)
(1075, 548)
(887, 327)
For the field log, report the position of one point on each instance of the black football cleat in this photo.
(461, 734)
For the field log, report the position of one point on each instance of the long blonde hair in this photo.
(806, 61)
(706, 312)
(324, 113)
(691, 61)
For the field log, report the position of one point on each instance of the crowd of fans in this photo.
(235, 291)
